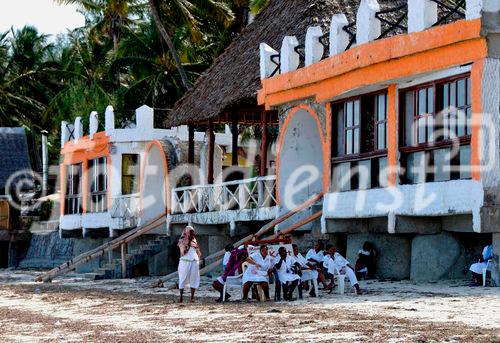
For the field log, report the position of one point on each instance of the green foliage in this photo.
(118, 58)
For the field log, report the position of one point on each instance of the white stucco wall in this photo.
(153, 185)
(70, 222)
(427, 199)
(300, 172)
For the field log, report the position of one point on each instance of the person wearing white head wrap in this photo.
(189, 268)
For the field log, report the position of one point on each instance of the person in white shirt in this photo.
(261, 266)
(228, 248)
(286, 276)
(314, 259)
(336, 263)
(189, 268)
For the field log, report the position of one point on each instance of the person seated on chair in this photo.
(228, 248)
(314, 260)
(365, 264)
(261, 267)
(286, 276)
(336, 263)
(477, 268)
(234, 267)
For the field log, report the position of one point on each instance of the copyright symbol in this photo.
(22, 182)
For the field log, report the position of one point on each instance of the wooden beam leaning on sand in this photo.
(309, 202)
(99, 251)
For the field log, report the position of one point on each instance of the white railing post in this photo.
(219, 197)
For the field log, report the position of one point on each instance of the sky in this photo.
(45, 15)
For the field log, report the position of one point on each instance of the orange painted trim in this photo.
(85, 185)
(392, 134)
(328, 148)
(425, 62)
(81, 152)
(365, 55)
(324, 145)
(63, 182)
(167, 177)
(476, 76)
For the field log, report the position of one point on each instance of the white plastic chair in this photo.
(308, 275)
(237, 280)
(340, 280)
(485, 270)
(233, 281)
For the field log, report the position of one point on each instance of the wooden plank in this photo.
(218, 262)
(309, 202)
(101, 250)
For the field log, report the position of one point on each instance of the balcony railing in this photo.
(233, 195)
(125, 209)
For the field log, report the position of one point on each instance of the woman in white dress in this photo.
(261, 266)
(288, 279)
(189, 268)
(335, 262)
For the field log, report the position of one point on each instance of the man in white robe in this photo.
(337, 264)
(261, 266)
(314, 259)
(287, 278)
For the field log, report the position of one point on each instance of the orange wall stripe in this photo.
(85, 185)
(328, 148)
(428, 61)
(392, 134)
(62, 180)
(326, 159)
(476, 76)
(372, 53)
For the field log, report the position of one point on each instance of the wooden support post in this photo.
(124, 260)
(211, 150)
(234, 136)
(191, 144)
(263, 147)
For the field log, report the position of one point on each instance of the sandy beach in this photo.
(73, 309)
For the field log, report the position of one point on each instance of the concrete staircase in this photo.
(139, 254)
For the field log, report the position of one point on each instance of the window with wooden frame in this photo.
(434, 117)
(359, 144)
(73, 194)
(360, 126)
(130, 173)
(98, 181)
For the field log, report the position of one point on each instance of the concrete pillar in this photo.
(109, 120)
(339, 39)
(267, 66)
(93, 124)
(313, 48)
(368, 27)
(422, 14)
(290, 59)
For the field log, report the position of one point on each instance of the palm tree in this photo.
(25, 83)
(188, 14)
(109, 17)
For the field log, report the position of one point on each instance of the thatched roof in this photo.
(14, 152)
(233, 79)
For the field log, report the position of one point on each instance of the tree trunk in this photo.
(170, 44)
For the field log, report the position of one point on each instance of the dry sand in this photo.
(72, 309)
